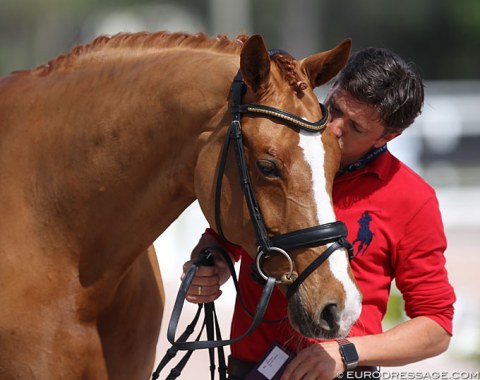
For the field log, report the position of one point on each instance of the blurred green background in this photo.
(441, 36)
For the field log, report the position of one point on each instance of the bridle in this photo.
(332, 234)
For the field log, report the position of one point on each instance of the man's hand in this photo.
(321, 361)
(206, 284)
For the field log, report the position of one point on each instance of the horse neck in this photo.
(122, 147)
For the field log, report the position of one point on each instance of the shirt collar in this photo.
(361, 162)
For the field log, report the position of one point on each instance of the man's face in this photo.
(356, 124)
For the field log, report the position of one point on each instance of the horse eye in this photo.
(269, 168)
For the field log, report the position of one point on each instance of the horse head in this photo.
(291, 171)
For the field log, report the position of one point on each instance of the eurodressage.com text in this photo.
(410, 375)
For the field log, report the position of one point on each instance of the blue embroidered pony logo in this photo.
(364, 235)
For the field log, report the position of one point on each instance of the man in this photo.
(395, 226)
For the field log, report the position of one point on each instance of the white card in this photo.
(273, 362)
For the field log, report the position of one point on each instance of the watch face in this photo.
(349, 352)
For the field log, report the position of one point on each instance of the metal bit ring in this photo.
(260, 253)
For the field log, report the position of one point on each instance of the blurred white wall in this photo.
(139, 18)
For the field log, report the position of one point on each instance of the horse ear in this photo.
(255, 63)
(322, 67)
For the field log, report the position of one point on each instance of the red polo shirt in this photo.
(395, 225)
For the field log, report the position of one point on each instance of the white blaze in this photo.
(312, 146)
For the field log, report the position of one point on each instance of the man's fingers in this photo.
(203, 271)
(203, 290)
(205, 286)
(193, 298)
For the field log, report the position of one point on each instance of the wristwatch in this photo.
(349, 353)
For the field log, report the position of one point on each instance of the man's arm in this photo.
(416, 339)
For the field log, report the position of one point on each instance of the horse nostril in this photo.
(330, 317)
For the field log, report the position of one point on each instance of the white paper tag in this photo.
(273, 362)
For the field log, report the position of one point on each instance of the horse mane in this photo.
(165, 40)
(157, 40)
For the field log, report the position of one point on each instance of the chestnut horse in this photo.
(103, 148)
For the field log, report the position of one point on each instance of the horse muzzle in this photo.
(331, 319)
(324, 324)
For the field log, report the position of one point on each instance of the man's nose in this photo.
(336, 126)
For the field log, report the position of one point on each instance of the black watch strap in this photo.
(349, 353)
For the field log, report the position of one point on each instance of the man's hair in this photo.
(383, 79)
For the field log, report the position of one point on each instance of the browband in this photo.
(284, 116)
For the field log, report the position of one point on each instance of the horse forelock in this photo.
(146, 40)
(287, 65)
